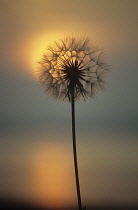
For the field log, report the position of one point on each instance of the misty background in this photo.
(36, 130)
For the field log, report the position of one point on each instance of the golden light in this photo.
(37, 46)
(53, 177)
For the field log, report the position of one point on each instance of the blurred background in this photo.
(36, 160)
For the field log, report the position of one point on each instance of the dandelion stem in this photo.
(75, 150)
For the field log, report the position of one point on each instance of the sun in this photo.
(37, 46)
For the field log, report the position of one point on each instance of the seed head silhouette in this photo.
(70, 65)
(72, 69)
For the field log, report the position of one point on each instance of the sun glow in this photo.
(53, 177)
(38, 46)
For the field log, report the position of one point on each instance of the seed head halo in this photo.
(72, 64)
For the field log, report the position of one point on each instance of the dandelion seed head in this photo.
(73, 65)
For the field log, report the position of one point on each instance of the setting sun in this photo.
(38, 46)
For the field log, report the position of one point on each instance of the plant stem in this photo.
(75, 152)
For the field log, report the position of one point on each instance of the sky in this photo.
(36, 144)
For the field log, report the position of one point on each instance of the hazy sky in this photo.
(107, 124)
